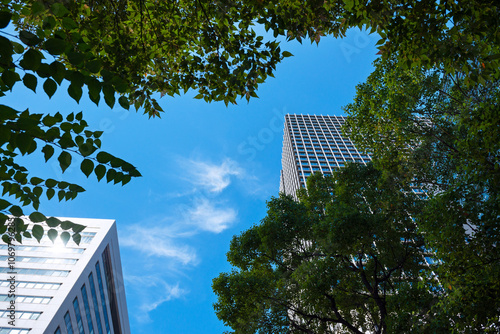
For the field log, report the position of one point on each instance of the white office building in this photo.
(72, 289)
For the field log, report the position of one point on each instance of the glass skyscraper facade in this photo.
(314, 143)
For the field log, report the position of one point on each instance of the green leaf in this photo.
(10, 77)
(50, 183)
(287, 54)
(37, 217)
(64, 160)
(6, 50)
(61, 194)
(104, 157)
(50, 87)
(53, 222)
(55, 46)
(29, 38)
(110, 175)
(94, 87)
(76, 58)
(52, 234)
(87, 167)
(18, 48)
(58, 71)
(123, 101)
(65, 237)
(69, 24)
(37, 8)
(4, 204)
(37, 232)
(50, 193)
(48, 151)
(94, 66)
(36, 180)
(77, 238)
(16, 211)
(75, 92)
(66, 225)
(77, 228)
(100, 171)
(6, 239)
(37, 191)
(30, 81)
(109, 95)
(59, 10)
(24, 143)
(5, 17)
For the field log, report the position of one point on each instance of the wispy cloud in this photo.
(162, 245)
(160, 242)
(163, 292)
(210, 218)
(212, 177)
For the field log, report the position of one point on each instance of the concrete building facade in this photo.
(58, 289)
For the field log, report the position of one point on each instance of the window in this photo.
(103, 298)
(32, 285)
(67, 320)
(22, 314)
(41, 272)
(87, 309)
(96, 304)
(40, 259)
(79, 321)
(44, 249)
(27, 299)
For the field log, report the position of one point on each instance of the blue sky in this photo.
(207, 173)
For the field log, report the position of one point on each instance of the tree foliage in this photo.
(122, 52)
(125, 51)
(443, 136)
(347, 258)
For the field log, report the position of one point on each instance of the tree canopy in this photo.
(444, 137)
(347, 258)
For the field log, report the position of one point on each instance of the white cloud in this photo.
(159, 242)
(212, 177)
(152, 291)
(209, 218)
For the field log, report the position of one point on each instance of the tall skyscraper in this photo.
(49, 288)
(314, 143)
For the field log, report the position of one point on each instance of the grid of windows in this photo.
(7, 330)
(22, 314)
(47, 249)
(47, 260)
(87, 310)
(79, 321)
(27, 299)
(45, 240)
(41, 272)
(103, 299)
(326, 149)
(32, 285)
(67, 321)
(96, 304)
